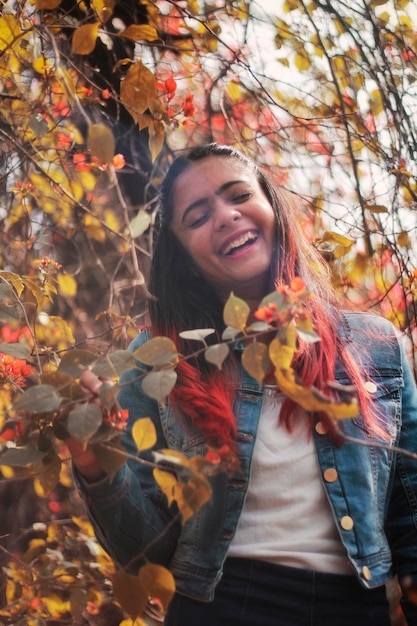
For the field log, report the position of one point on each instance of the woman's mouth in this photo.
(239, 243)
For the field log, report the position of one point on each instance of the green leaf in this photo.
(217, 354)
(198, 334)
(108, 394)
(63, 383)
(114, 364)
(307, 336)
(157, 385)
(6, 291)
(84, 421)
(74, 362)
(230, 333)
(9, 313)
(39, 399)
(157, 352)
(140, 223)
(259, 327)
(17, 350)
(21, 457)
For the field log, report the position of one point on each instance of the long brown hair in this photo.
(181, 301)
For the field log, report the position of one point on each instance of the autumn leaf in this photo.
(101, 142)
(158, 581)
(47, 4)
(144, 434)
(236, 312)
(156, 352)
(255, 360)
(67, 285)
(140, 32)
(308, 398)
(130, 592)
(84, 39)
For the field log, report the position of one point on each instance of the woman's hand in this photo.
(83, 455)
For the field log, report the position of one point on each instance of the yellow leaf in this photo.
(403, 239)
(255, 360)
(166, 482)
(309, 398)
(158, 582)
(101, 142)
(48, 478)
(103, 9)
(137, 89)
(144, 434)
(42, 65)
(111, 220)
(63, 326)
(157, 351)
(192, 495)
(94, 228)
(302, 62)
(140, 32)
(236, 312)
(67, 285)
(84, 38)
(87, 180)
(376, 208)
(281, 355)
(47, 4)
(156, 138)
(130, 592)
(9, 30)
(234, 91)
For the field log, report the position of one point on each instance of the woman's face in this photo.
(224, 221)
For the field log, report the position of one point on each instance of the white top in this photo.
(286, 517)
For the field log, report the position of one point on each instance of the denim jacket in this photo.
(372, 493)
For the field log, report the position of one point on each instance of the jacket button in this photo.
(370, 387)
(366, 573)
(321, 428)
(330, 475)
(346, 522)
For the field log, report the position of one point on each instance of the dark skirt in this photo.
(256, 593)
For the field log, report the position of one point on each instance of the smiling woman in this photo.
(307, 530)
(225, 224)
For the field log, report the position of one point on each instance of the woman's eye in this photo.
(198, 220)
(241, 197)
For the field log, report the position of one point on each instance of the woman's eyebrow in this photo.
(203, 201)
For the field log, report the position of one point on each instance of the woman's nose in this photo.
(225, 215)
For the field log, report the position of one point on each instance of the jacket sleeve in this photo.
(130, 515)
(401, 523)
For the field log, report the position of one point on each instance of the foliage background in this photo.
(95, 99)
